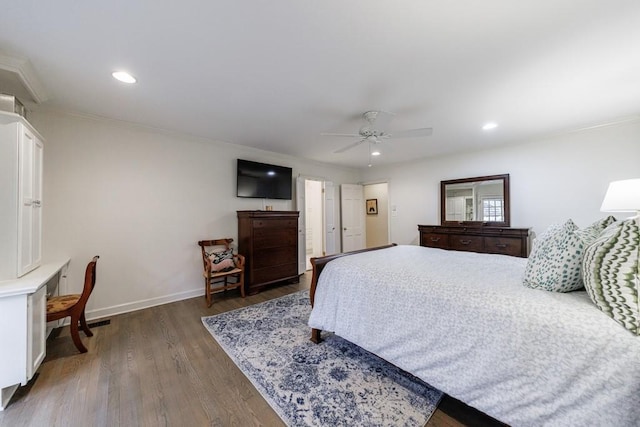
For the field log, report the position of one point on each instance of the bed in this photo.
(526, 357)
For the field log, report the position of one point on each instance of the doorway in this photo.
(313, 221)
(315, 200)
(377, 220)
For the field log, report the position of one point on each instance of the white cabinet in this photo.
(21, 153)
(36, 329)
(23, 328)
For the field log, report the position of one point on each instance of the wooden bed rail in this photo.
(318, 264)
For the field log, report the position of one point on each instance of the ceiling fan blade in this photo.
(351, 135)
(350, 146)
(412, 133)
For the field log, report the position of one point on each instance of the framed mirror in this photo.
(479, 201)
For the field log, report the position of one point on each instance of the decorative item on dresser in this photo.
(490, 240)
(269, 242)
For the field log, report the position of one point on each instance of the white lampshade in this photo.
(622, 196)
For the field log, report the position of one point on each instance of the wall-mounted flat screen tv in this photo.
(263, 181)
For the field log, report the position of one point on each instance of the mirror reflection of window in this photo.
(492, 209)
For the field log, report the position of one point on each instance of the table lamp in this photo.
(623, 196)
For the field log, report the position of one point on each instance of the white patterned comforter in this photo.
(464, 323)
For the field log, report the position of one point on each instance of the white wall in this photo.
(141, 199)
(552, 179)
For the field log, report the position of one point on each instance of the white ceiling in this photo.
(275, 74)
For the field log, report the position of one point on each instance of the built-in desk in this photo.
(23, 325)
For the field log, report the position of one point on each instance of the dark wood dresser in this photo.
(491, 240)
(269, 242)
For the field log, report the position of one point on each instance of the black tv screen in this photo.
(263, 181)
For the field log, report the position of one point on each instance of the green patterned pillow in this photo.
(590, 233)
(554, 262)
(610, 268)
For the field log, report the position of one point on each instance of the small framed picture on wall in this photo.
(372, 206)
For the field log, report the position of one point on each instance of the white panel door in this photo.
(26, 200)
(36, 243)
(352, 213)
(302, 224)
(329, 218)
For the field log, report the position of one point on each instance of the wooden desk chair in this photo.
(73, 305)
(222, 268)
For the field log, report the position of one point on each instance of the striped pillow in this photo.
(610, 270)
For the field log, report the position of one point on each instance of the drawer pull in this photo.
(435, 239)
(501, 245)
(465, 242)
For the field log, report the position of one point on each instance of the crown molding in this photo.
(26, 74)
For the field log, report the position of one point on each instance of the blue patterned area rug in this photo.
(335, 383)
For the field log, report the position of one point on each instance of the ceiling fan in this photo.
(373, 130)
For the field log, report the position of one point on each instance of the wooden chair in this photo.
(215, 281)
(73, 305)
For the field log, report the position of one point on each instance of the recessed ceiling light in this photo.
(123, 76)
(375, 153)
(489, 126)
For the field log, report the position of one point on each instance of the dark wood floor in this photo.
(160, 367)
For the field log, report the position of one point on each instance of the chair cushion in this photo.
(61, 303)
(221, 260)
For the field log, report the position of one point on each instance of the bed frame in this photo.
(318, 264)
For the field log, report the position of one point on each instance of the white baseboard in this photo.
(139, 305)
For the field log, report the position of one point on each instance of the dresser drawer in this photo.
(273, 273)
(276, 239)
(463, 242)
(503, 245)
(274, 223)
(494, 240)
(274, 256)
(435, 240)
(506, 232)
